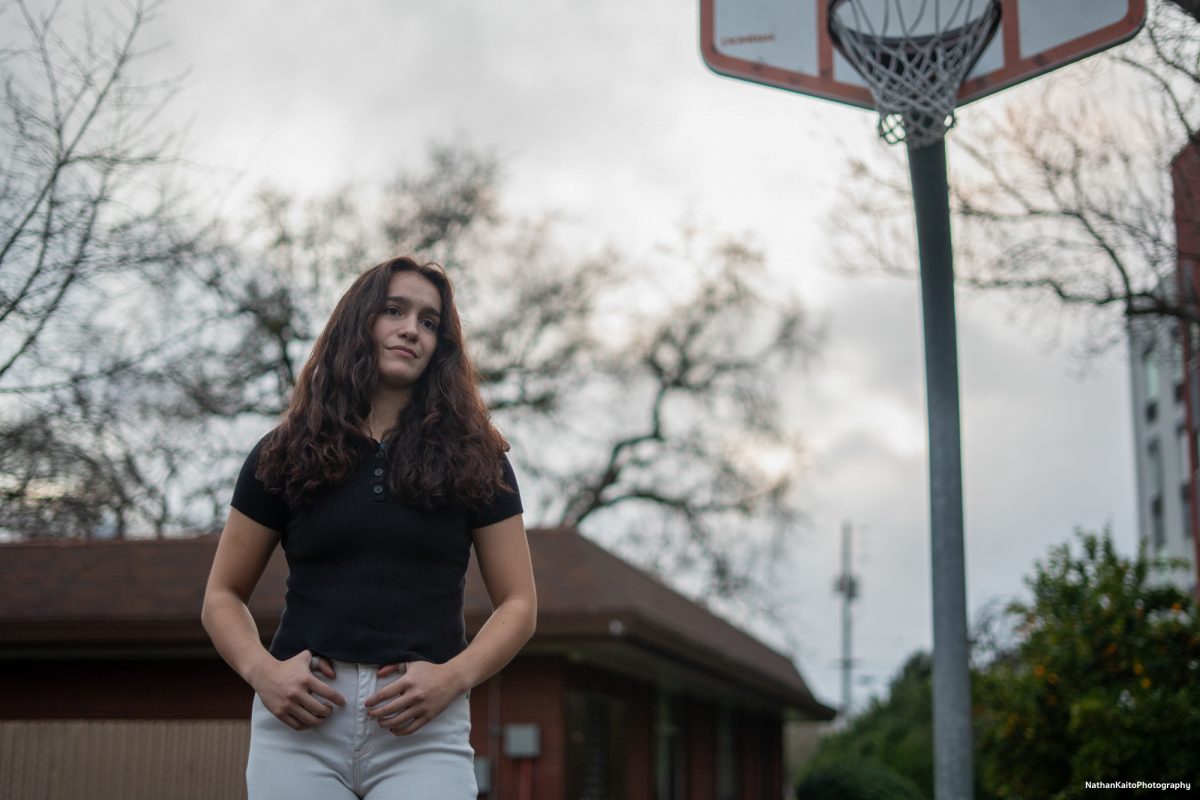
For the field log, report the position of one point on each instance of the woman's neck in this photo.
(386, 406)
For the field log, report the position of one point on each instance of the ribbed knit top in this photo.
(371, 580)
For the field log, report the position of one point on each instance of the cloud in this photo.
(605, 112)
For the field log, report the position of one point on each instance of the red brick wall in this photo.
(641, 741)
(530, 690)
(760, 757)
(1185, 180)
(700, 731)
(639, 698)
(772, 733)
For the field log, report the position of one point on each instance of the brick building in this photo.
(1165, 378)
(110, 688)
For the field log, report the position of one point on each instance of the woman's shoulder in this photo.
(505, 500)
(507, 468)
(254, 498)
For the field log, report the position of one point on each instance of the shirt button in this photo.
(379, 470)
(378, 489)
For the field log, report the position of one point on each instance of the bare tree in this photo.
(668, 408)
(86, 218)
(1070, 197)
(77, 134)
(698, 437)
(1189, 7)
(146, 349)
(652, 403)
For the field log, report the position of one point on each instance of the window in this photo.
(1150, 382)
(727, 760)
(1185, 503)
(1156, 522)
(596, 737)
(1185, 455)
(1155, 468)
(1154, 476)
(669, 758)
(1177, 365)
(1193, 447)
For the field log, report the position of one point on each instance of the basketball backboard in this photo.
(785, 43)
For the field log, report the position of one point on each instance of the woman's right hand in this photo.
(290, 690)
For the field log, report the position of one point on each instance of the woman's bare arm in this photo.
(502, 550)
(286, 687)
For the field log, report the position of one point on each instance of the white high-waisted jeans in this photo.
(350, 756)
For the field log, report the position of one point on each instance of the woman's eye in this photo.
(392, 310)
(429, 324)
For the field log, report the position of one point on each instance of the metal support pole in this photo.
(951, 677)
(848, 588)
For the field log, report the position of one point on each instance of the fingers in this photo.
(404, 723)
(393, 690)
(404, 714)
(325, 666)
(308, 718)
(394, 709)
(322, 689)
(393, 698)
(412, 727)
(302, 706)
(318, 687)
(403, 705)
(382, 712)
(309, 701)
(300, 718)
(406, 704)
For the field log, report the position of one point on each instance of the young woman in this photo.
(382, 475)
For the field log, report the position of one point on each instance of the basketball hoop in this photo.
(914, 56)
(915, 61)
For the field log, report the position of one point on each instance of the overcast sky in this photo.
(606, 113)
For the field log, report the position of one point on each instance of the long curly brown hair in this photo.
(444, 449)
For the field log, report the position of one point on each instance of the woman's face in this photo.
(406, 330)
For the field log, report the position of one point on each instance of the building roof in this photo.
(58, 595)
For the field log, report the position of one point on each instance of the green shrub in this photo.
(1102, 683)
(896, 732)
(861, 780)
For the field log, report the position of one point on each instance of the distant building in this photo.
(1165, 371)
(1163, 440)
(109, 687)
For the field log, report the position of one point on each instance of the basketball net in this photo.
(914, 55)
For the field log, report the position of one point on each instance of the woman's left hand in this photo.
(422, 692)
